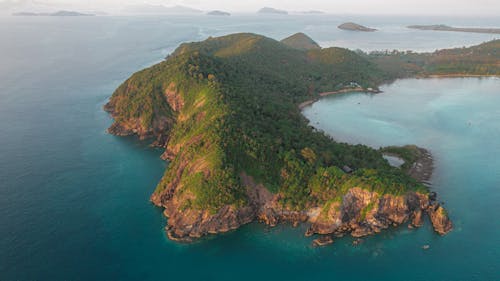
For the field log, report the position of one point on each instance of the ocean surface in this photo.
(74, 199)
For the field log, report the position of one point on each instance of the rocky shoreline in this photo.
(360, 213)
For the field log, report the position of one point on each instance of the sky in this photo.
(401, 7)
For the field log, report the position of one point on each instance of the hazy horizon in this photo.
(362, 7)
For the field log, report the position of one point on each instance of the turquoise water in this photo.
(74, 200)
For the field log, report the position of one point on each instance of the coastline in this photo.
(423, 166)
(456, 76)
(306, 103)
(480, 30)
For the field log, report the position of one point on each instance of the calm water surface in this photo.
(74, 200)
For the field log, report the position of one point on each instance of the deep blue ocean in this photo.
(74, 199)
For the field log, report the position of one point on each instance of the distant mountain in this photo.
(350, 26)
(300, 41)
(55, 14)
(159, 10)
(267, 10)
(218, 13)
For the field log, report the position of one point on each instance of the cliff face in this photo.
(157, 126)
(361, 213)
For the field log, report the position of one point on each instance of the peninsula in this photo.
(442, 27)
(350, 26)
(226, 112)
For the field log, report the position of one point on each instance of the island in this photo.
(267, 10)
(226, 112)
(218, 13)
(55, 14)
(151, 9)
(350, 26)
(442, 27)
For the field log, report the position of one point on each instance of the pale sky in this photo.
(418, 7)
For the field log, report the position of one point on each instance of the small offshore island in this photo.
(226, 110)
(351, 26)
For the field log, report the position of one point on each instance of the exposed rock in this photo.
(323, 241)
(439, 218)
(357, 241)
(421, 170)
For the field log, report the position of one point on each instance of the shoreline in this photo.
(423, 167)
(456, 76)
(306, 103)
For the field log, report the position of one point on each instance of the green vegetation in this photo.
(300, 41)
(239, 97)
(482, 59)
(409, 153)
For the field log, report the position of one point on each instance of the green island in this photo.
(227, 112)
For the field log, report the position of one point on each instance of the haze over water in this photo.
(74, 199)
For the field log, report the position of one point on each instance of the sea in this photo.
(74, 200)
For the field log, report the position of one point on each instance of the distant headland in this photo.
(55, 14)
(442, 27)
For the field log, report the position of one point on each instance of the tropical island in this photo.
(442, 27)
(226, 111)
(351, 26)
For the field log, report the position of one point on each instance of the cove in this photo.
(457, 120)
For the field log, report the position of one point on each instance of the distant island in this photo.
(218, 13)
(442, 27)
(267, 10)
(149, 9)
(350, 26)
(55, 14)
